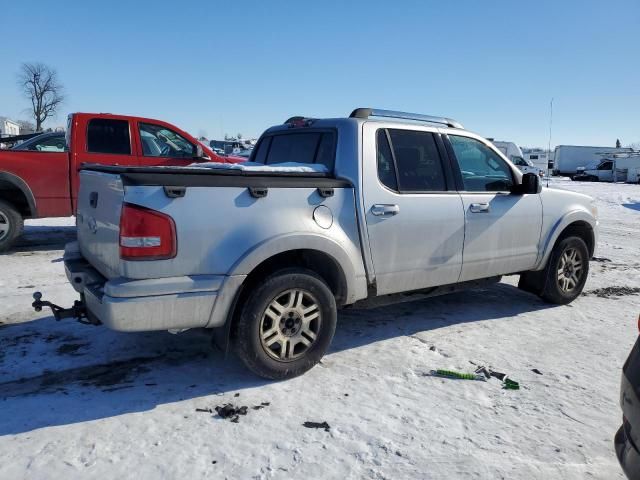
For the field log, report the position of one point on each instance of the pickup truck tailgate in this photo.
(99, 205)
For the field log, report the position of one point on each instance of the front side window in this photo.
(159, 141)
(483, 170)
(106, 135)
(606, 166)
(51, 144)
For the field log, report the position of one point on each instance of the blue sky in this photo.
(228, 67)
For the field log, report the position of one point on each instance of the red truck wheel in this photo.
(11, 225)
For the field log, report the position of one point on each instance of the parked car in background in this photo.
(39, 178)
(627, 440)
(611, 170)
(514, 153)
(600, 172)
(527, 166)
(46, 142)
(568, 158)
(341, 211)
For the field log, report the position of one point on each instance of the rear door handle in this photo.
(384, 210)
(479, 207)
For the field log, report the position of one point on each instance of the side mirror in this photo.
(199, 153)
(530, 185)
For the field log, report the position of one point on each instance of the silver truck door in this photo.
(414, 216)
(502, 232)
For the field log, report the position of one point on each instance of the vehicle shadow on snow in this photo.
(61, 373)
(43, 238)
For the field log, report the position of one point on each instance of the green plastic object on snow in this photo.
(509, 384)
(457, 375)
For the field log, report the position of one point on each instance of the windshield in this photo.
(521, 162)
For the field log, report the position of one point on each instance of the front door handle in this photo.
(384, 210)
(479, 208)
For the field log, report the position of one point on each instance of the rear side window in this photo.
(307, 147)
(418, 167)
(418, 161)
(108, 136)
(386, 168)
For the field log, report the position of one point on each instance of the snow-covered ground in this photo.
(85, 402)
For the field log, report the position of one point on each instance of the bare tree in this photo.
(26, 126)
(39, 83)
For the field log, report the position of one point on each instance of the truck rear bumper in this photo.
(154, 304)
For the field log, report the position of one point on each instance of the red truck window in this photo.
(108, 136)
(159, 141)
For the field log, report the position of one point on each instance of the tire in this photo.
(571, 255)
(546, 283)
(279, 334)
(11, 225)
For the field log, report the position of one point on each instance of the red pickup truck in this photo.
(43, 181)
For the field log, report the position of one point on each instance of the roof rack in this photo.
(375, 112)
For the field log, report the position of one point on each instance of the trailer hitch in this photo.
(77, 311)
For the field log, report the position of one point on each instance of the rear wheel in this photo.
(286, 325)
(11, 225)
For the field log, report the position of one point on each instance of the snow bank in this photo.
(287, 167)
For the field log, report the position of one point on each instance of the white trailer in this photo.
(569, 157)
(539, 157)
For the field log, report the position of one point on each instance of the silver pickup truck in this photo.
(265, 257)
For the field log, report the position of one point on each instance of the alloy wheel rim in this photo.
(290, 325)
(5, 226)
(570, 270)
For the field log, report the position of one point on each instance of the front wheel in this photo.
(564, 277)
(11, 225)
(567, 271)
(286, 324)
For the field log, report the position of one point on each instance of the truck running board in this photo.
(77, 311)
(411, 296)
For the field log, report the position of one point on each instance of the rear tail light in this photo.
(146, 234)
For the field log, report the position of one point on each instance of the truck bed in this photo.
(220, 215)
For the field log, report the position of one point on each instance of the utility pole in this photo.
(549, 144)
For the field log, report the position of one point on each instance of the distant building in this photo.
(8, 127)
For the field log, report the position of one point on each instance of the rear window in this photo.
(108, 136)
(307, 147)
